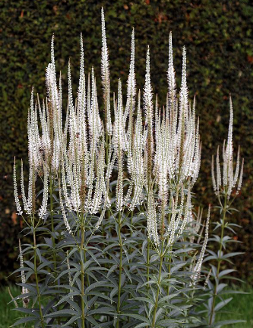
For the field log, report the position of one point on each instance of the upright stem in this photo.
(82, 271)
(131, 222)
(36, 276)
(148, 261)
(219, 259)
(51, 190)
(148, 266)
(158, 286)
(163, 216)
(120, 269)
(170, 249)
(169, 268)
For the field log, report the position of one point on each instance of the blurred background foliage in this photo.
(218, 37)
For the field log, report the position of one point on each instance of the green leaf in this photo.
(222, 304)
(231, 254)
(63, 313)
(227, 322)
(96, 284)
(24, 320)
(137, 316)
(71, 320)
(225, 272)
(103, 310)
(141, 325)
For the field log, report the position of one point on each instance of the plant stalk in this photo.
(82, 271)
(120, 270)
(219, 259)
(51, 190)
(158, 286)
(36, 276)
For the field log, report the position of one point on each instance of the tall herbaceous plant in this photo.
(115, 240)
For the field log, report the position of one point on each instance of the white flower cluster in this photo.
(176, 148)
(230, 180)
(159, 150)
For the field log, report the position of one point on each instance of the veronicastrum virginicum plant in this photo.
(115, 240)
(227, 184)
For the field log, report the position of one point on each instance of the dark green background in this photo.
(218, 37)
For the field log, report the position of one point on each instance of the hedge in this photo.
(218, 38)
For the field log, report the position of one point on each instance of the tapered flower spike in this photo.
(225, 168)
(21, 263)
(105, 57)
(171, 78)
(35, 157)
(60, 91)
(19, 209)
(64, 186)
(30, 190)
(99, 185)
(119, 145)
(105, 76)
(228, 155)
(71, 108)
(197, 268)
(52, 50)
(95, 126)
(81, 87)
(100, 219)
(237, 169)
(213, 176)
(25, 300)
(65, 220)
(230, 178)
(148, 107)
(23, 194)
(136, 163)
(147, 94)
(82, 111)
(131, 88)
(33, 135)
(81, 56)
(218, 170)
(240, 178)
(229, 148)
(43, 209)
(184, 88)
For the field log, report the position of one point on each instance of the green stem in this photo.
(219, 259)
(169, 268)
(158, 286)
(148, 261)
(170, 248)
(36, 276)
(148, 266)
(51, 190)
(120, 270)
(82, 272)
(131, 222)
